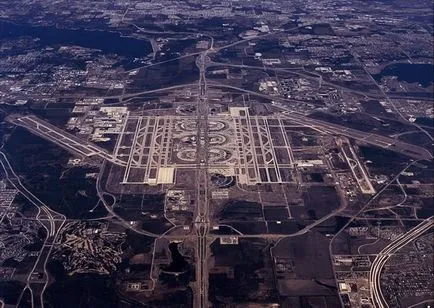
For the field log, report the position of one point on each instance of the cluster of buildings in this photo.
(89, 247)
(401, 285)
(91, 118)
(16, 234)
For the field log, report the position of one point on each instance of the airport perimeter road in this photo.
(101, 193)
(381, 259)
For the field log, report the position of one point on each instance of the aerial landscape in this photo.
(199, 153)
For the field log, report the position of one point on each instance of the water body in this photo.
(425, 121)
(178, 263)
(420, 73)
(106, 41)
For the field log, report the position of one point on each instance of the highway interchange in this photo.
(201, 221)
(382, 258)
(53, 221)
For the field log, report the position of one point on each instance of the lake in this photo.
(106, 41)
(420, 73)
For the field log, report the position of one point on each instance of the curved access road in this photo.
(377, 266)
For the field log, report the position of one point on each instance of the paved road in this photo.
(37, 280)
(382, 258)
(202, 222)
(70, 142)
(334, 129)
(363, 209)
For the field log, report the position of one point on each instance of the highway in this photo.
(52, 223)
(300, 71)
(202, 222)
(84, 148)
(364, 208)
(297, 71)
(356, 58)
(381, 259)
(407, 149)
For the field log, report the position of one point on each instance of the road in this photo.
(202, 222)
(51, 221)
(363, 209)
(386, 96)
(301, 71)
(369, 138)
(109, 207)
(377, 266)
(79, 147)
(410, 150)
